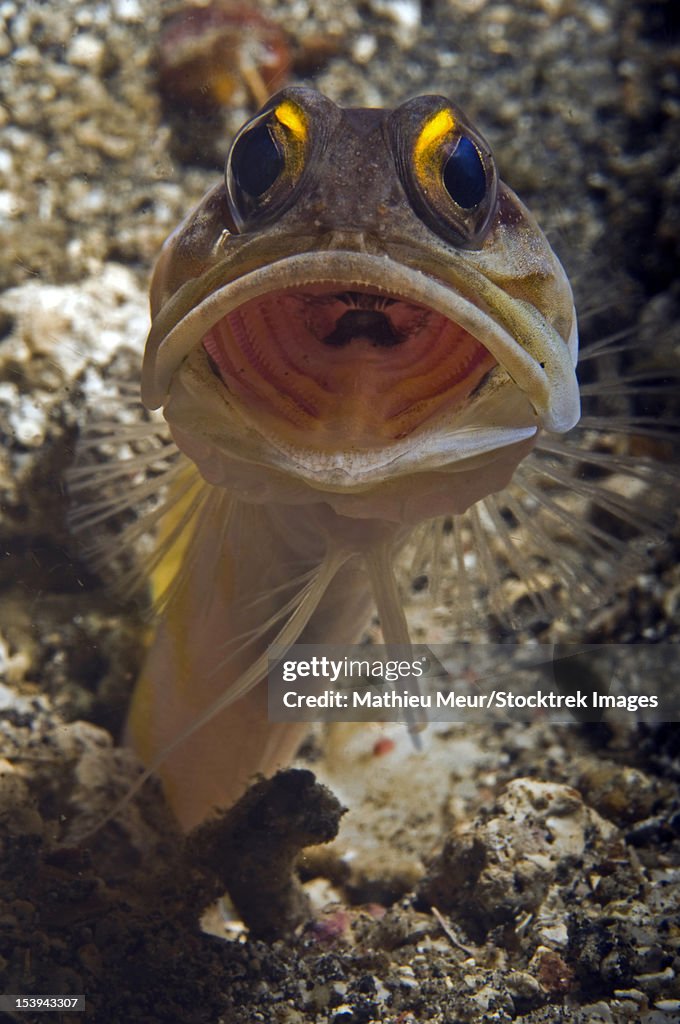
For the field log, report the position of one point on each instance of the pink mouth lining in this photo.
(356, 367)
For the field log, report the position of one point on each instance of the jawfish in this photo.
(359, 330)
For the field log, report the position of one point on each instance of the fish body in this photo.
(361, 329)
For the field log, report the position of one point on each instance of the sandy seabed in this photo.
(505, 873)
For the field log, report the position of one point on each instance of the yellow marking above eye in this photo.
(433, 131)
(292, 117)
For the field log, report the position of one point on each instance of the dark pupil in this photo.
(464, 177)
(256, 161)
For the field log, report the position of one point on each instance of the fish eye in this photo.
(464, 176)
(256, 161)
(266, 162)
(446, 169)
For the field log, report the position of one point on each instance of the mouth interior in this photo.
(345, 367)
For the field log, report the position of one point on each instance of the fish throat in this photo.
(365, 319)
(354, 367)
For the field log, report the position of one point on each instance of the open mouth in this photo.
(343, 351)
(357, 366)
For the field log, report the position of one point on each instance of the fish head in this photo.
(361, 313)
